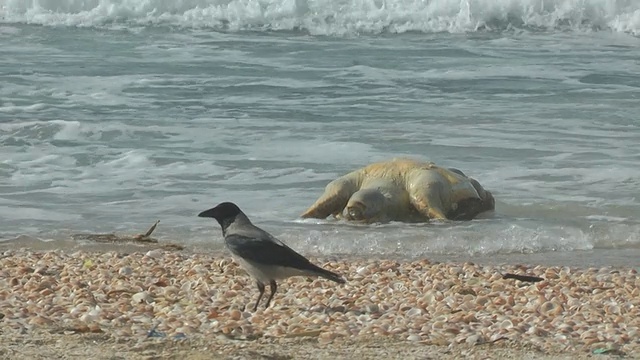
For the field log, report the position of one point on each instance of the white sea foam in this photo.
(333, 16)
(415, 241)
(11, 108)
(34, 214)
(8, 30)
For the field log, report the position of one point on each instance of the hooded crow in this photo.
(264, 257)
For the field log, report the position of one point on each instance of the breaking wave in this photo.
(333, 17)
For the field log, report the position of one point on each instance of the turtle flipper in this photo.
(431, 209)
(333, 200)
(426, 191)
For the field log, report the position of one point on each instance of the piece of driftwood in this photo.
(114, 238)
(522, 277)
(128, 239)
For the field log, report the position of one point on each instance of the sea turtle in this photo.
(402, 190)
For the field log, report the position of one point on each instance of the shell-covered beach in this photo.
(185, 302)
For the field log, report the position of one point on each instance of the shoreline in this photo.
(97, 300)
(599, 257)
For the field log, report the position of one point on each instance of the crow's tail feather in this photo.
(329, 275)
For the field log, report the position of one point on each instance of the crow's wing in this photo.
(266, 251)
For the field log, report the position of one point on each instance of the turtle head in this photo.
(365, 205)
(355, 211)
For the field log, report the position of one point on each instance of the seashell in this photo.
(499, 286)
(237, 286)
(496, 276)
(246, 315)
(623, 339)
(455, 270)
(247, 329)
(46, 292)
(277, 331)
(398, 286)
(184, 330)
(40, 321)
(122, 333)
(413, 312)
(235, 314)
(381, 331)
(154, 254)
(473, 339)
(566, 329)
(452, 329)
(482, 300)
(500, 301)
(468, 318)
(592, 340)
(550, 308)
(170, 292)
(448, 283)
(536, 330)
(372, 308)
(227, 330)
(294, 328)
(87, 318)
(78, 309)
(326, 337)
(612, 309)
(125, 271)
(619, 320)
(141, 297)
(22, 270)
(551, 274)
(506, 324)
(229, 294)
(538, 300)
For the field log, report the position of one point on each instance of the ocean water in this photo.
(117, 113)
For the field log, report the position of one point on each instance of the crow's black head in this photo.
(225, 213)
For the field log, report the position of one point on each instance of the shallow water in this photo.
(116, 113)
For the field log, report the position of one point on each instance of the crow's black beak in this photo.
(211, 213)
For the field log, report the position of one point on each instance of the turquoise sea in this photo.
(117, 113)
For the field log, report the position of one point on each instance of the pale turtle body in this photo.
(402, 190)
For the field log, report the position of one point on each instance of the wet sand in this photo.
(130, 301)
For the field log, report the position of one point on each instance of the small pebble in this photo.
(156, 254)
